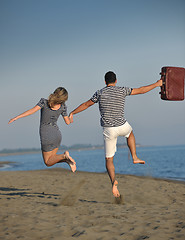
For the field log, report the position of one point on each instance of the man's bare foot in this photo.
(70, 161)
(137, 160)
(115, 189)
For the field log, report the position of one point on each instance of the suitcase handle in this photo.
(162, 73)
(164, 92)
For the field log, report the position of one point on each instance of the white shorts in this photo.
(111, 134)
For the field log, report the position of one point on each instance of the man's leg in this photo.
(111, 171)
(132, 146)
(110, 141)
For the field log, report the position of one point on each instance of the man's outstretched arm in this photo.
(146, 89)
(81, 108)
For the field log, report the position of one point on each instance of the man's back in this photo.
(111, 101)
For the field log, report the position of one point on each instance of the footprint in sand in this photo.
(118, 200)
(71, 197)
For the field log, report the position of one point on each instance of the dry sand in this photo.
(58, 204)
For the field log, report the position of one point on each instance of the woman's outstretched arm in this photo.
(25, 114)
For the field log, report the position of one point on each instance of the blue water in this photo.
(161, 162)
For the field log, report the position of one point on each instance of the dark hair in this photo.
(110, 77)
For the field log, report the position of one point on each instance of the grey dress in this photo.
(50, 135)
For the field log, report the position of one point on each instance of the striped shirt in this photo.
(111, 101)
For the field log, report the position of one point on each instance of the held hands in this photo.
(71, 117)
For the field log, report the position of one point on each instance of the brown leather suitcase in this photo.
(173, 83)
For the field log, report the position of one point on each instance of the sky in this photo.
(45, 44)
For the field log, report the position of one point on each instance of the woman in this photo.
(50, 134)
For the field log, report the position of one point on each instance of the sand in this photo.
(58, 204)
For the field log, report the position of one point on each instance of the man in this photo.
(111, 100)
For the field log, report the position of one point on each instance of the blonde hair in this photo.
(59, 96)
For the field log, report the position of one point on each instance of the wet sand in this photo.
(58, 204)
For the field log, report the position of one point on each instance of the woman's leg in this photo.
(132, 146)
(51, 158)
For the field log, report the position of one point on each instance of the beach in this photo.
(58, 204)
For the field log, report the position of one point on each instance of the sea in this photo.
(165, 162)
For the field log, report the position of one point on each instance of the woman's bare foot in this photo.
(70, 161)
(137, 160)
(115, 189)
